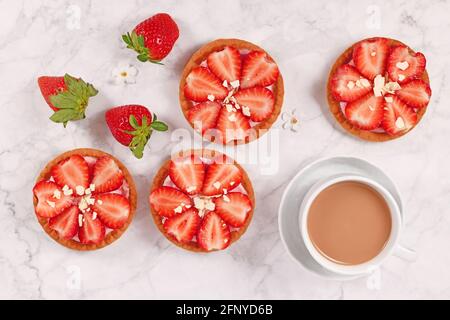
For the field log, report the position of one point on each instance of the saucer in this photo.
(295, 191)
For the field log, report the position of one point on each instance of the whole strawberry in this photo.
(67, 96)
(132, 126)
(153, 38)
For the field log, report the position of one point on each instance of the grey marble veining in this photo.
(83, 38)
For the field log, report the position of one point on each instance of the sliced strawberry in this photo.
(92, 230)
(233, 208)
(165, 200)
(225, 64)
(112, 209)
(365, 113)
(259, 100)
(348, 84)
(398, 117)
(258, 70)
(416, 93)
(72, 172)
(404, 65)
(66, 223)
(204, 115)
(187, 173)
(201, 83)
(47, 194)
(107, 175)
(183, 226)
(214, 233)
(232, 125)
(221, 176)
(370, 57)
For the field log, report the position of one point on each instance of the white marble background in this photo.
(83, 38)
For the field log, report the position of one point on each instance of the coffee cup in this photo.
(324, 232)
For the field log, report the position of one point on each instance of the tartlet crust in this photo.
(113, 235)
(200, 55)
(335, 107)
(160, 178)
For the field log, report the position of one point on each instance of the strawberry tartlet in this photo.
(231, 91)
(202, 200)
(84, 199)
(379, 89)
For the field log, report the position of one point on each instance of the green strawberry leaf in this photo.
(64, 100)
(133, 122)
(64, 115)
(159, 126)
(142, 57)
(126, 39)
(91, 90)
(141, 41)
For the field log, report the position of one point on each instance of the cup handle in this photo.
(406, 254)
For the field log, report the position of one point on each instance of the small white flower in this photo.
(290, 120)
(124, 73)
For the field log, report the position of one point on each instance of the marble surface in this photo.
(83, 38)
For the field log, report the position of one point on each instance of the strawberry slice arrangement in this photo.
(82, 199)
(231, 92)
(202, 202)
(67, 96)
(153, 38)
(382, 87)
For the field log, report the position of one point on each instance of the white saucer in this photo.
(293, 195)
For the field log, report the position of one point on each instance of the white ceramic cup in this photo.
(369, 266)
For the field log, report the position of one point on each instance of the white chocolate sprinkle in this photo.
(79, 190)
(246, 111)
(235, 84)
(211, 97)
(57, 194)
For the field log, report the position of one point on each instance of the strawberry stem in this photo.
(142, 133)
(72, 102)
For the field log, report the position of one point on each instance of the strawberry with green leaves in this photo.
(153, 38)
(67, 96)
(132, 126)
